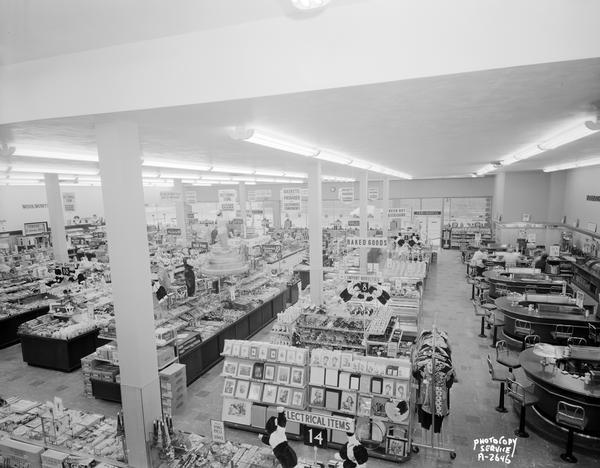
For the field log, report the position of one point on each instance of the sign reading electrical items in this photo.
(321, 420)
(366, 242)
(495, 449)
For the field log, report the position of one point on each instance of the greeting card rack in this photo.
(433, 445)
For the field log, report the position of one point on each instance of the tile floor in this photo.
(473, 397)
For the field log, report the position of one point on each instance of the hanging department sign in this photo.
(259, 195)
(320, 420)
(69, 201)
(399, 213)
(367, 242)
(346, 194)
(291, 199)
(227, 199)
(373, 193)
(170, 196)
(191, 196)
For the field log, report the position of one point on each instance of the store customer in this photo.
(541, 262)
(190, 278)
(478, 261)
(277, 439)
(510, 258)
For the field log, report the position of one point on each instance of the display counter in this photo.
(9, 325)
(549, 311)
(552, 386)
(59, 354)
(520, 282)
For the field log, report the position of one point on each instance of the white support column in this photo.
(243, 198)
(57, 218)
(122, 192)
(315, 233)
(363, 191)
(386, 207)
(180, 211)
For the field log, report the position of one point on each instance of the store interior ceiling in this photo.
(433, 127)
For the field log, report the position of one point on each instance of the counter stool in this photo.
(523, 328)
(495, 323)
(525, 397)
(530, 340)
(562, 332)
(573, 418)
(498, 375)
(576, 341)
(480, 312)
(505, 357)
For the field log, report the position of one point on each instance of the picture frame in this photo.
(300, 357)
(241, 389)
(297, 377)
(354, 382)
(244, 350)
(317, 397)
(283, 375)
(235, 349)
(401, 390)
(376, 385)
(253, 352)
(227, 348)
(348, 402)
(335, 359)
(316, 357)
(364, 406)
(331, 377)
(230, 368)
(269, 393)
(244, 370)
(281, 354)
(255, 391)
(344, 381)
(263, 353)
(290, 356)
(325, 357)
(396, 447)
(269, 372)
(297, 399)
(378, 407)
(346, 361)
(236, 411)
(284, 396)
(229, 387)
(332, 399)
(317, 376)
(273, 354)
(258, 371)
(388, 388)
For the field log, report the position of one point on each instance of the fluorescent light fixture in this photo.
(243, 179)
(281, 143)
(573, 165)
(398, 174)
(289, 181)
(567, 135)
(189, 166)
(24, 152)
(360, 164)
(195, 183)
(88, 179)
(178, 175)
(266, 172)
(232, 170)
(54, 169)
(65, 178)
(524, 153)
(485, 169)
(215, 177)
(309, 4)
(329, 178)
(333, 157)
(22, 183)
(24, 176)
(80, 184)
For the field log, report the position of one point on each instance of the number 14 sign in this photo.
(315, 437)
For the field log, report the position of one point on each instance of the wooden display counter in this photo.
(552, 386)
(58, 354)
(520, 283)
(9, 326)
(550, 310)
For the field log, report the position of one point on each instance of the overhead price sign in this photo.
(170, 196)
(373, 193)
(427, 213)
(227, 199)
(367, 242)
(321, 420)
(191, 196)
(346, 194)
(399, 212)
(291, 199)
(259, 195)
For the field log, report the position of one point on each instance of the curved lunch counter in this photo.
(521, 282)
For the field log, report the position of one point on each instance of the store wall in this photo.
(578, 184)
(526, 192)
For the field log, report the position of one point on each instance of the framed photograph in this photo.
(269, 372)
(300, 357)
(396, 447)
(230, 368)
(283, 375)
(236, 411)
(229, 387)
(245, 350)
(316, 357)
(364, 406)
(235, 348)
(401, 390)
(388, 387)
(325, 357)
(227, 347)
(317, 397)
(281, 354)
(255, 392)
(344, 381)
(336, 359)
(354, 382)
(297, 377)
(241, 390)
(273, 354)
(348, 402)
(284, 396)
(269, 393)
(298, 398)
(332, 399)
(254, 352)
(263, 353)
(376, 385)
(290, 356)
(346, 361)
(258, 371)
(317, 376)
(378, 407)
(244, 370)
(331, 377)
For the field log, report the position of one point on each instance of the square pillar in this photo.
(363, 190)
(315, 232)
(57, 218)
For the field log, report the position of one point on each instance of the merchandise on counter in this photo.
(46, 326)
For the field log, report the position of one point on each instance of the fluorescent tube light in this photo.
(567, 136)
(215, 177)
(24, 176)
(573, 165)
(195, 183)
(360, 164)
(485, 169)
(22, 182)
(232, 170)
(190, 166)
(266, 172)
(24, 152)
(309, 4)
(54, 169)
(243, 179)
(333, 157)
(88, 179)
(280, 143)
(400, 175)
(178, 175)
(297, 175)
(522, 154)
(329, 178)
(80, 184)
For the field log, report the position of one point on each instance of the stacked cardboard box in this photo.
(173, 388)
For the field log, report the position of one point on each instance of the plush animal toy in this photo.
(277, 440)
(353, 453)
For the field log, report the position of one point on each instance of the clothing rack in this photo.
(432, 444)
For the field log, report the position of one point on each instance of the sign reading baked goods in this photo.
(367, 242)
(320, 420)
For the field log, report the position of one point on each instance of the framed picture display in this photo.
(344, 381)
(273, 354)
(376, 385)
(354, 382)
(235, 349)
(283, 375)
(364, 406)
(332, 399)
(298, 399)
(230, 368)
(378, 407)
(316, 357)
(297, 377)
(300, 357)
(241, 390)
(258, 371)
(269, 393)
(331, 377)
(227, 347)
(245, 350)
(290, 356)
(254, 352)
(284, 396)
(229, 387)
(396, 447)
(255, 392)
(281, 354)
(237, 411)
(269, 372)
(401, 390)
(346, 361)
(388, 388)
(317, 397)
(325, 357)
(244, 370)
(335, 359)
(317, 376)
(348, 402)
(263, 353)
